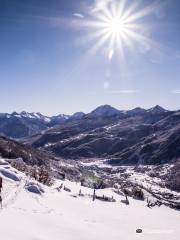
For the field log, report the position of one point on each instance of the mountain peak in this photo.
(104, 110)
(157, 109)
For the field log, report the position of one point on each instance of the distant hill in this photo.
(12, 150)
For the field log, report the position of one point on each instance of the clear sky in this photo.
(54, 57)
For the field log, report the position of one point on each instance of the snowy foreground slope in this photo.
(64, 215)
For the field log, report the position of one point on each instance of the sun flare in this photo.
(115, 26)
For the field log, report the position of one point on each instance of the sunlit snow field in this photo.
(64, 215)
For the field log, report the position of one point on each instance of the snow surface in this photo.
(64, 215)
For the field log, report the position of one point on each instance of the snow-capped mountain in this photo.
(19, 125)
(24, 114)
(34, 115)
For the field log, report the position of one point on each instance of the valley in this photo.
(135, 151)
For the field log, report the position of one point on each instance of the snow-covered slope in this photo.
(64, 215)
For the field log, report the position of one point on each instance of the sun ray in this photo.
(130, 10)
(120, 8)
(99, 44)
(143, 12)
(93, 37)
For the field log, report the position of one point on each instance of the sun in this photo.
(116, 26)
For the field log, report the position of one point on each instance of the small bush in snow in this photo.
(138, 193)
(41, 174)
(93, 182)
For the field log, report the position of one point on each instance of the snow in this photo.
(32, 115)
(3, 162)
(99, 163)
(67, 140)
(112, 126)
(63, 215)
(9, 174)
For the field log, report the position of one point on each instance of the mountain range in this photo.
(20, 125)
(136, 136)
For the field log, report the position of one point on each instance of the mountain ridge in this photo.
(25, 124)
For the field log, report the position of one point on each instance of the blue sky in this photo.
(46, 63)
